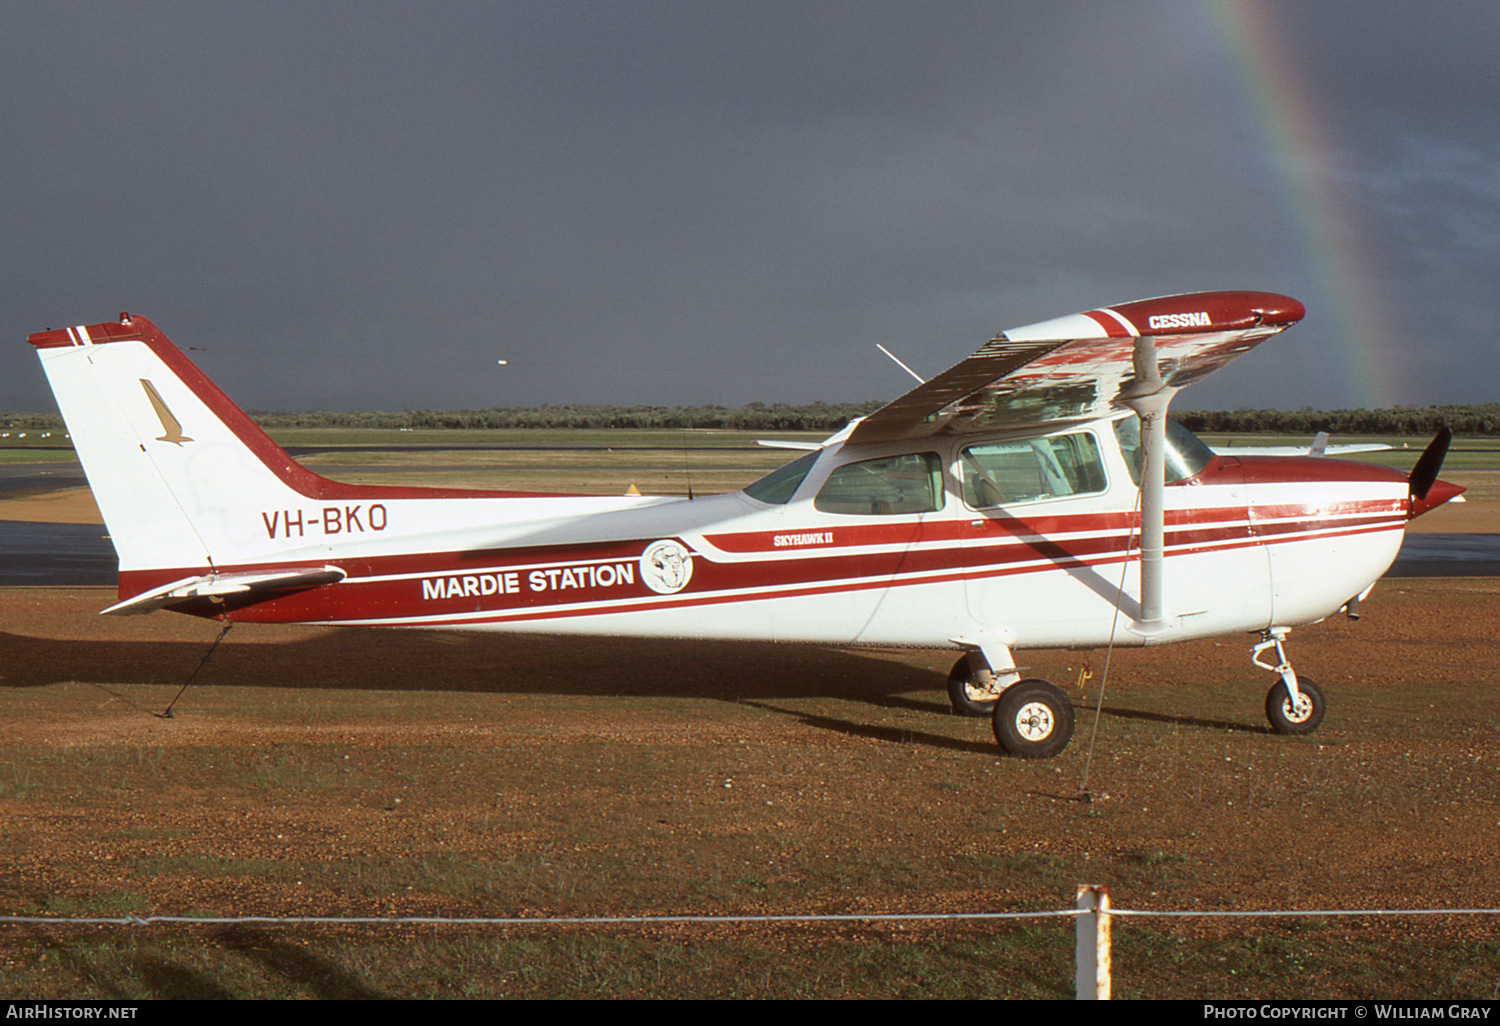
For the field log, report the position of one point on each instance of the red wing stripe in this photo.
(1113, 324)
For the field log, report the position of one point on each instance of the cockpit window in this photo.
(909, 483)
(999, 473)
(1186, 453)
(778, 487)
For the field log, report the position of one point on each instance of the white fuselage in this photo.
(1250, 544)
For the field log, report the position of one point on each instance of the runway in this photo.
(34, 478)
(50, 555)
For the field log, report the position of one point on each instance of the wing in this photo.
(1084, 366)
(1299, 450)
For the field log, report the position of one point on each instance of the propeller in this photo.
(1422, 476)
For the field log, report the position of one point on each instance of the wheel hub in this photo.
(1299, 712)
(1034, 721)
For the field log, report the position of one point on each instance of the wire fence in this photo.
(1093, 916)
(726, 920)
(710, 920)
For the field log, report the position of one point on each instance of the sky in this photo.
(366, 205)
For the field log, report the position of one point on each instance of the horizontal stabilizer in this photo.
(219, 585)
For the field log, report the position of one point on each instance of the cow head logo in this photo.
(666, 566)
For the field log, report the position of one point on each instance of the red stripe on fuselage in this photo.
(368, 612)
(498, 584)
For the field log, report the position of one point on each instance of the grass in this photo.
(514, 800)
(1289, 961)
(59, 453)
(523, 438)
(786, 963)
(563, 461)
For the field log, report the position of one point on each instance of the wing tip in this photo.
(1200, 312)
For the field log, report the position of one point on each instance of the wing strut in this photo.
(1149, 401)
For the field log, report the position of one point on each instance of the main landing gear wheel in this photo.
(1302, 717)
(967, 695)
(1033, 719)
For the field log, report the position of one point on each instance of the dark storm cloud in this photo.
(365, 205)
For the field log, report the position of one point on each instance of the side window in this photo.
(910, 483)
(1000, 473)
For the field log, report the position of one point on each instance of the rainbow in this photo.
(1300, 144)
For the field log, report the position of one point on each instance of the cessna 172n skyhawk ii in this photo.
(1034, 495)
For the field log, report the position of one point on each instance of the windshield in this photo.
(778, 487)
(1186, 453)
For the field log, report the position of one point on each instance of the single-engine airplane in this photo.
(1034, 495)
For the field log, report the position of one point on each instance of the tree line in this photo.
(1482, 419)
(753, 417)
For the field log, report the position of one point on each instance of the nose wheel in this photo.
(1295, 705)
(1299, 717)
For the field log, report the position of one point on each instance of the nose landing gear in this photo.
(1295, 705)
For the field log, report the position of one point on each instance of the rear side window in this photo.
(909, 483)
(1000, 473)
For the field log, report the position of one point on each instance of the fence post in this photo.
(1092, 979)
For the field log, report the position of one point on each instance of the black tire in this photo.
(1302, 720)
(1033, 719)
(965, 694)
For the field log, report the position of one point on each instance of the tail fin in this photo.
(166, 453)
(189, 486)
